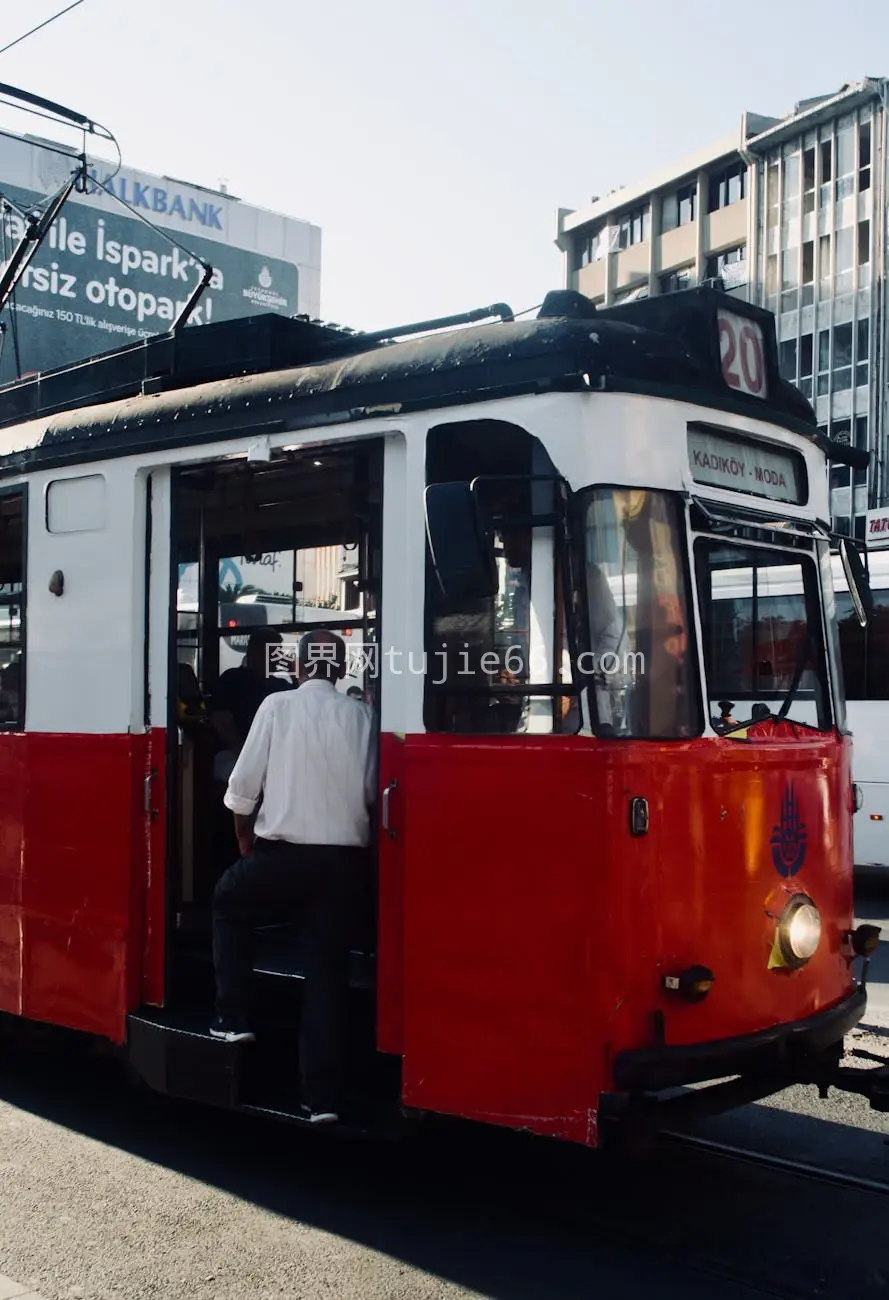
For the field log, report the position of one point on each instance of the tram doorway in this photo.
(285, 546)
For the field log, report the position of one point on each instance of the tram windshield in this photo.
(762, 636)
(641, 653)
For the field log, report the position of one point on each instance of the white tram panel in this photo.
(640, 441)
(83, 645)
(88, 525)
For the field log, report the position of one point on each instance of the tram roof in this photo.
(246, 371)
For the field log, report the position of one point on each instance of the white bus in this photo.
(865, 656)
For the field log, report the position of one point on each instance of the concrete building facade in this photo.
(791, 213)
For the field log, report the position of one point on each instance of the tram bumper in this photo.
(787, 1053)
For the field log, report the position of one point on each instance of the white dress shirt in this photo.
(312, 755)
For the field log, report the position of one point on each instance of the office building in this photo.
(791, 213)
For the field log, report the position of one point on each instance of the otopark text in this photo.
(176, 272)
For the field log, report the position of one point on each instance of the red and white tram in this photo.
(596, 879)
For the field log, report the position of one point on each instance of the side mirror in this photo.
(460, 542)
(856, 578)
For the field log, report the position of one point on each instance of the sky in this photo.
(433, 142)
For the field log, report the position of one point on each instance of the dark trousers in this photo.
(320, 886)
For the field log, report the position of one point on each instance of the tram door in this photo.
(500, 820)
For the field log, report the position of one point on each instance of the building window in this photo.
(787, 360)
(591, 248)
(809, 181)
(805, 366)
(824, 268)
(808, 274)
(839, 477)
(676, 281)
(678, 208)
(633, 228)
(790, 205)
(845, 161)
(845, 256)
(823, 363)
(826, 172)
(842, 358)
(729, 266)
(864, 156)
(631, 294)
(860, 475)
(727, 186)
(12, 610)
(861, 353)
(863, 254)
(790, 278)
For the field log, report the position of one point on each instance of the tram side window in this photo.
(641, 654)
(500, 665)
(12, 573)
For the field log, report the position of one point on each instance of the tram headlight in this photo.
(799, 930)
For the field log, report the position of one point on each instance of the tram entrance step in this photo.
(172, 1051)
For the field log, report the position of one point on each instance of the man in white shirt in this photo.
(311, 754)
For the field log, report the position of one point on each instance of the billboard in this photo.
(104, 278)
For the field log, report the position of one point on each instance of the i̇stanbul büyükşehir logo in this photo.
(789, 836)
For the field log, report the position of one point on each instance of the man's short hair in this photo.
(263, 636)
(322, 654)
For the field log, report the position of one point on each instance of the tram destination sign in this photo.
(739, 465)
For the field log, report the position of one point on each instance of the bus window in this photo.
(878, 649)
(853, 646)
(762, 633)
(641, 653)
(12, 573)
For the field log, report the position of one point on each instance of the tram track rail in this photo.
(779, 1164)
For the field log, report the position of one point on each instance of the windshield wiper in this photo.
(800, 668)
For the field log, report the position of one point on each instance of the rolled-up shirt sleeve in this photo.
(249, 772)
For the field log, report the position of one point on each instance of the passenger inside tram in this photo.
(239, 693)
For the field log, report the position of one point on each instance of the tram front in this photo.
(699, 815)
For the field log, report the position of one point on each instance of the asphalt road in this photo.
(108, 1192)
